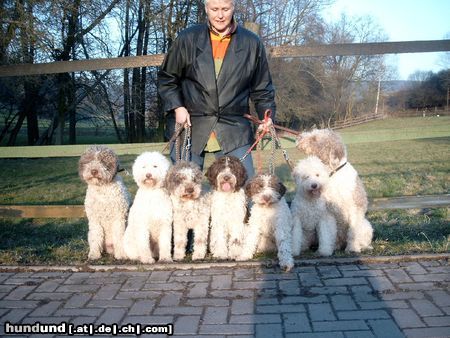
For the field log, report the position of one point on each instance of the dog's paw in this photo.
(243, 258)
(196, 256)
(352, 249)
(287, 267)
(178, 255)
(220, 257)
(94, 255)
(165, 260)
(109, 248)
(147, 260)
(323, 253)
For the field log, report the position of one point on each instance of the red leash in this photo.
(255, 120)
(275, 139)
(267, 115)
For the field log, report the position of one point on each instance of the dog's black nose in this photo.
(226, 178)
(148, 175)
(190, 190)
(94, 172)
(314, 186)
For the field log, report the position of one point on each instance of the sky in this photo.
(404, 20)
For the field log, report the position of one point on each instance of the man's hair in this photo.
(233, 1)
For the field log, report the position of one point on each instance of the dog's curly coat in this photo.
(149, 231)
(309, 208)
(106, 203)
(191, 208)
(270, 223)
(346, 197)
(227, 178)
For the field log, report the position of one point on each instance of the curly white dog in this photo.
(227, 178)
(270, 223)
(149, 231)
(107, 201)
(309, 209)
(345, 195)
(191, 209)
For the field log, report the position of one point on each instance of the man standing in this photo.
(207, 78)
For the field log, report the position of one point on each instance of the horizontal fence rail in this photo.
(77, 211)
(371, 48)
(356, 120)
(345, 49)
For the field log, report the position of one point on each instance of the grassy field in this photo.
(394, 157)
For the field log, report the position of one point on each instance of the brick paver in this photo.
(321, 298)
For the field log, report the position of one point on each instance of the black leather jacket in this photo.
(187, 78)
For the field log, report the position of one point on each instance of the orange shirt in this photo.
(219, 46)
(219, 49)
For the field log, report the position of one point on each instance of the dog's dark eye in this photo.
(317, 175)
(305, 177)
(155, 166)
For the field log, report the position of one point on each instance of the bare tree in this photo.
(285, 22)
(346, 75)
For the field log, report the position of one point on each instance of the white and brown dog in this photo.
(345, 194)
(270, 223)
(191, 209)
(106, 203)
(227, 178)
(309, 207)
(149, 232)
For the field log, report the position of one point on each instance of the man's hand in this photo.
(182, 116)
(265, 125)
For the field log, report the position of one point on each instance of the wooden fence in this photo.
(357, 120)
(65, 211)
(276, 52)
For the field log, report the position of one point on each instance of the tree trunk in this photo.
(72, 110)
(17, 127)
(61, 107)
(137, 79)
(30, 85)
(66, 93)
(31, 97)
(126, 77)
(28, 104)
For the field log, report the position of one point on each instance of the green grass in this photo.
(34, 241)
(395, 157)
(63, 241)
(411, 231)
(395, 129)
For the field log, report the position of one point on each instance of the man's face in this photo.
(220, 13)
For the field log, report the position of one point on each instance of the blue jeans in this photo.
(239, 153)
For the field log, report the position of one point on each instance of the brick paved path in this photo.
(405, 298)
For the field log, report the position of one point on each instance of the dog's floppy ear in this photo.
(277, 185)
(169, 179)
(211, 174)
(281, 188)
(249, 188)
(110, 159)
(198, 175)
(85, 158)
(239, 170)
(294, 173)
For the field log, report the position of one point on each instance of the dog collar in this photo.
(338, 168)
